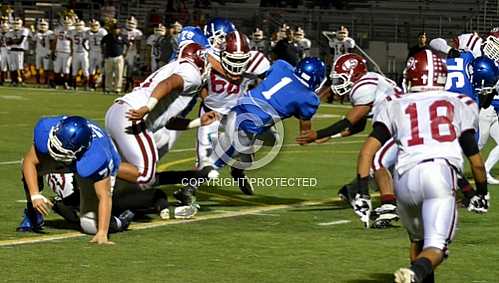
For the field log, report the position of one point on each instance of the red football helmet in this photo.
(425, 71)
(347, 69)
(193, 53)
(236, 54)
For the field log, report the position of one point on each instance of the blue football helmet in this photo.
(484, 74)
(192, 34)
(216, 29)
(312, 71)
(70, 137)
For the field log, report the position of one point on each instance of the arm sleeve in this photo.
(468, 143)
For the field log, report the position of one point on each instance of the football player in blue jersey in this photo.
(485, 75)
(285, 92)
(73, 144)
(216, 30)
(187, 35)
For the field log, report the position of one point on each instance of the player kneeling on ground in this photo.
(74, 144)
(431, 128)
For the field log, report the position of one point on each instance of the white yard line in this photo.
(160, 223)
(334, 222)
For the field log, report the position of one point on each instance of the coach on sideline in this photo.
(113, 47)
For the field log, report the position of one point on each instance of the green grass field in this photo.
(281, 234)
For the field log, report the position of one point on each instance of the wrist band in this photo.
(151, 103)
(194, 123)
(38, 197)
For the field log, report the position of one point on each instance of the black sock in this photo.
(422, 267)
(430, 278)
(175, 177)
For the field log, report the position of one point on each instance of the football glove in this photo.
(479, 203)
(362, 207)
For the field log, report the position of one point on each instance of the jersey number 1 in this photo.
(435, 121)
(282, 83)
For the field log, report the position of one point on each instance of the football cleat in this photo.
(384, 215)
(344, 195)
(185, 196)
(242, 181)
(404, 275)
(179, 212)
(362, 207)
(27, 225)
(479, 203)
(126, 218)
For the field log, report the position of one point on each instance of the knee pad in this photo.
(88, 223)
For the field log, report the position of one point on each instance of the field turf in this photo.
(281, 234)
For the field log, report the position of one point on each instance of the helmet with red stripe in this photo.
(236, 55)
(425, 71)
(195, 54)
(491, 45)
(347, 69)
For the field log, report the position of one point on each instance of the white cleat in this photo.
(491, 180)
(181, 212)
(362, 207)
(404, 275)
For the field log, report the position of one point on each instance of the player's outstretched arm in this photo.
(164, 88)
(104, 195)
(30, 173)
(182, 124)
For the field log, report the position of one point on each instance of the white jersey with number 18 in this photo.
(427, 125)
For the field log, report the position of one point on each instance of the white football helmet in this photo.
(257, 35)
(299, 34)
(160, 30)
(17, 24)
(80, 26)
(177, 27)
(67, 22)
(94, 25)
(131, 23)
(43, 25)
(342, 33)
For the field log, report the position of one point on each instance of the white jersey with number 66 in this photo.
(427, 125)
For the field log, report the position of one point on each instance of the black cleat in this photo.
(185, 196)
(244, 184)
(126, 218)
(344, 195)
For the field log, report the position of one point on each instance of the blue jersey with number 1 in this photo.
(458, 79)
(279, 96)
(99, 161)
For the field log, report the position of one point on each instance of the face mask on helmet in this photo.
(43, 26)
(67, 23)
(68, 139)
(17, 24)
(94, 26)
(236, 55)
(484, 75)
(299, 34)
(491, 48)
(347, 69)
(131, 23)
(160, 30)
(80, 26)
(257, 35)
(216, 30)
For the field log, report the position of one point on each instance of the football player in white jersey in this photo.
(349, 75)
(95, 35)
(303, 43)
(241, 69)
(42, 50)
(80, 48)
(17, 43)
(168, 90)
(133, 36)
(341, 44)
(62, 62)
(432, 129)
(4, 54)
(153, 42)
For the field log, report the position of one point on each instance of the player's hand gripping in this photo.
(41, 204)
(209, 117)
(306, 137)
(137, 114)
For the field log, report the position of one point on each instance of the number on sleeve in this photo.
(455, 77)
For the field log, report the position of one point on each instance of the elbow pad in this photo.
(334, 129)
(468, 143)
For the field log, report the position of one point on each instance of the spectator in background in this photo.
(422, 44)
(285, 49)
(113, 48)
(304, 44)
(258, 42)
(341, 43)
(167, 45)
